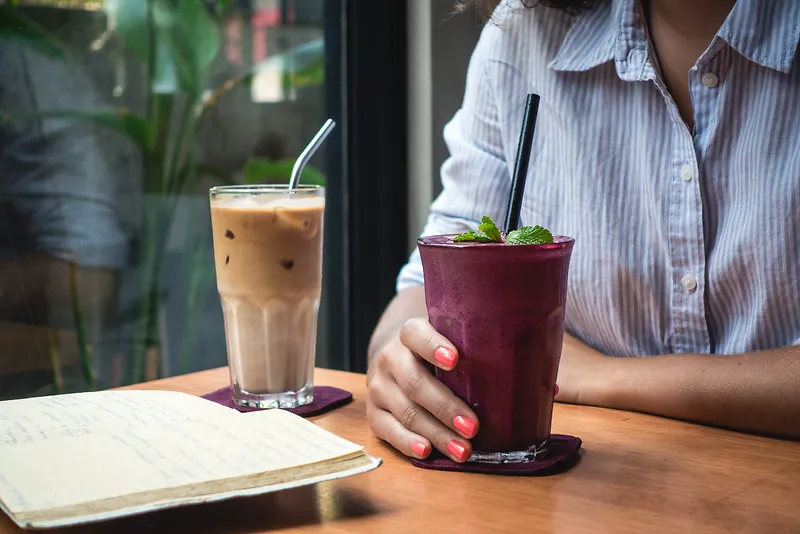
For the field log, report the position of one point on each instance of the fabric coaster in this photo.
(325, 398)
(562, 454)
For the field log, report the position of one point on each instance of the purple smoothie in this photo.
(502, 306)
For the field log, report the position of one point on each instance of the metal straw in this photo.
(312, 147)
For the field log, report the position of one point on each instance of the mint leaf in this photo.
(530, 235)
(488, 227)
(472, 236)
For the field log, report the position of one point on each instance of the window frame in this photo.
(366, 55)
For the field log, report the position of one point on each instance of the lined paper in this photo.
(72, 449)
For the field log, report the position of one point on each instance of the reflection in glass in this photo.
(114, 125)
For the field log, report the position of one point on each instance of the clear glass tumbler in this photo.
(268, 256)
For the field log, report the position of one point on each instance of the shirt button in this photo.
(687, 171)
(689, 283)
(710, 79)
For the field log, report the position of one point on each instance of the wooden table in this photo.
(637, 474)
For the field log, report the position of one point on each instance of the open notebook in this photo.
(72, 459)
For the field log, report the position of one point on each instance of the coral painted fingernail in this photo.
(464, 425)
(457, 450)
(556, 389)
(419, 448)
(445, 356)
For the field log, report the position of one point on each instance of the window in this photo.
(115, 124)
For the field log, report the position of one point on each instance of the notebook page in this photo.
(71, 449)
(304, 438)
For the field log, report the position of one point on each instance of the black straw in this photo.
(523, 158)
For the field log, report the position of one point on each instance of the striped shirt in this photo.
(686, 242)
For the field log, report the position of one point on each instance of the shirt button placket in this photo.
(687, 267)
(691, 329)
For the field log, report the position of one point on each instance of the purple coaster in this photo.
(325, 398)
(562, 453)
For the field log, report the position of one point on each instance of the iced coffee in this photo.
(268, 255)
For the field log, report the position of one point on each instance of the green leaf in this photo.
(488, 227)
(15, 27)
(312, 74)
(530, 235)
(265, 171)
(187, 41)
(222, 5)
(130, 17)
(132, 126)
(165, 78)
(165, 71)
(473, 236)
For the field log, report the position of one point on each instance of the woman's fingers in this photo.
(418, 385)
(388, 428)
(408, 406)
(419, 423)
(422, 339)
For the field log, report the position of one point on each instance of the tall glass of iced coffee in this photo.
(268, 256)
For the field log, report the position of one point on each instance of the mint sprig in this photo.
(489, 233)
(488, 227)
(472, 236)
(530, 235)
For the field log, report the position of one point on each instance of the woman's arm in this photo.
(755, 392)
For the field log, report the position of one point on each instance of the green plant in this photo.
(175, 42)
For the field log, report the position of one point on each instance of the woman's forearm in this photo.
(753, 392)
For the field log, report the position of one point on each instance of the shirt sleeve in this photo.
(58, 191)
(476, 180)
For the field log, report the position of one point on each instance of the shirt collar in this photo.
(766, 33)
(609, 31)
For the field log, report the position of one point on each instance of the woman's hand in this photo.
(408, 406)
